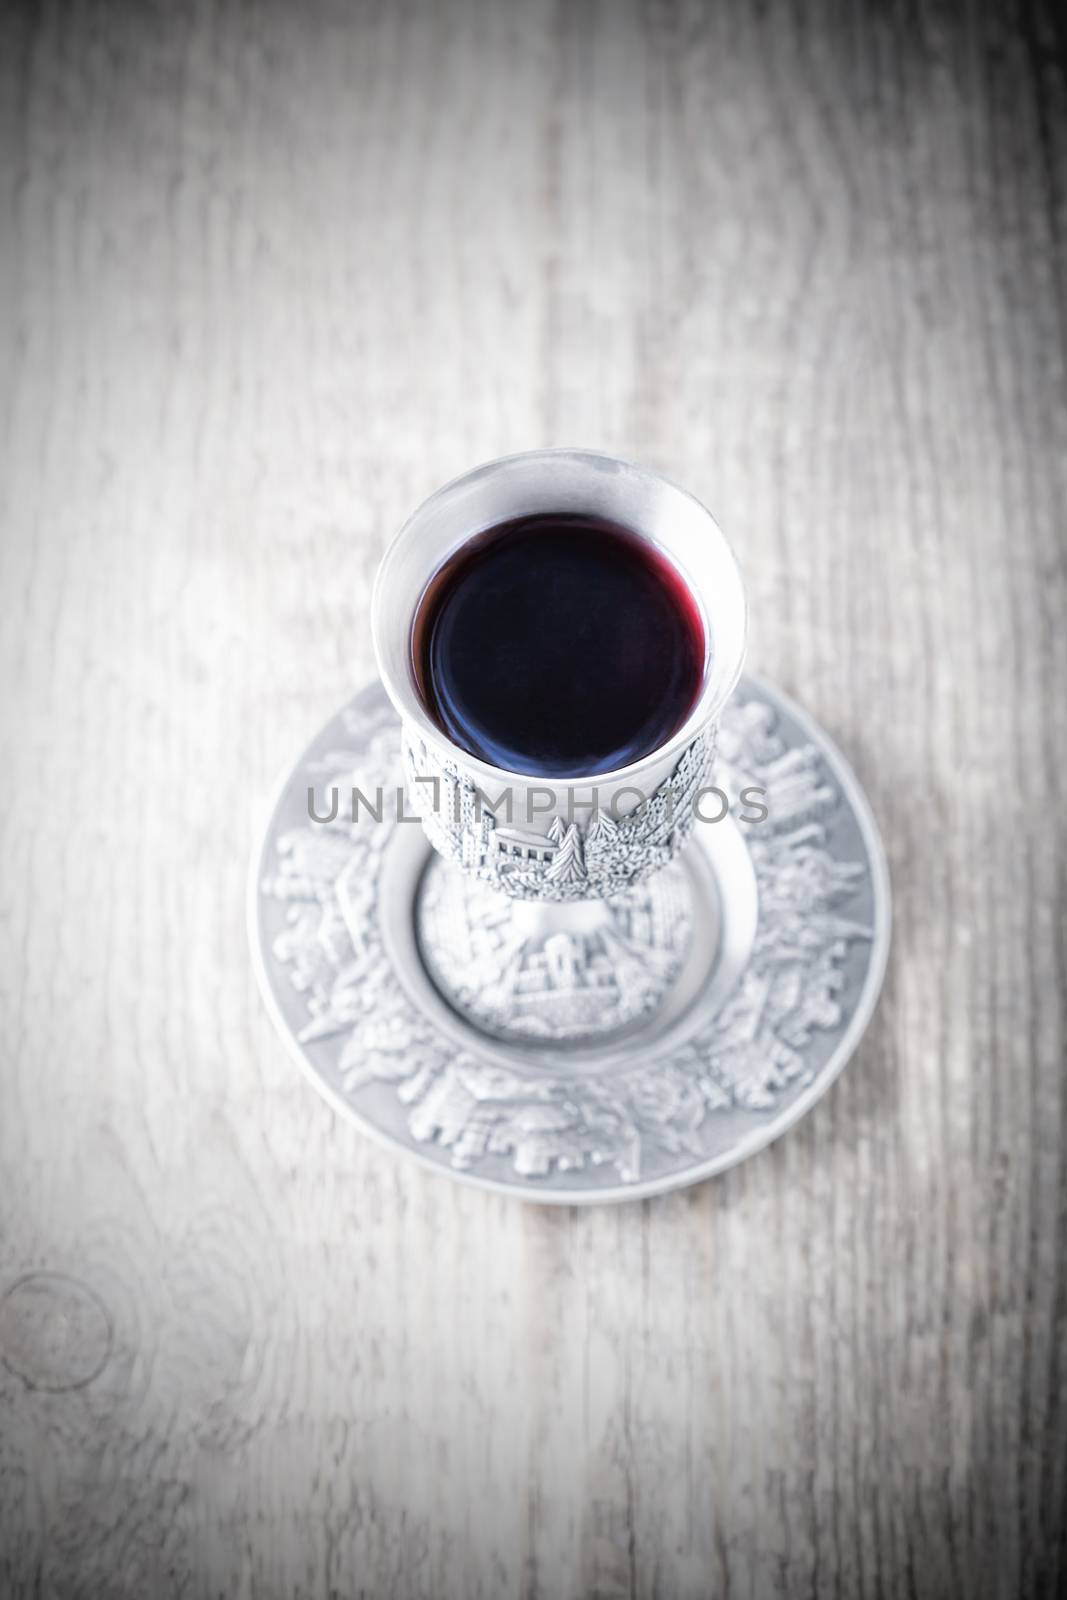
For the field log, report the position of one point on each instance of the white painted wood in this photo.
(269, 275)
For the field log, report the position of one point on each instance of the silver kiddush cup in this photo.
(554, 911)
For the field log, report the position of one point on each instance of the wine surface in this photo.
(558, 646)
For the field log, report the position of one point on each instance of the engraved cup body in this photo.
(536, 838)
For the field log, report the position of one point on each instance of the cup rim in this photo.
(404, 695)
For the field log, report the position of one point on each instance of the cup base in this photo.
(545, 973)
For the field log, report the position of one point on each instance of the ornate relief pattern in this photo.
(532, 979)
(473, 1108)
(573, 862)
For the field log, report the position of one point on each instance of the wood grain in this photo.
(269, 274)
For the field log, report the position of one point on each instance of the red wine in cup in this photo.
(558, 646)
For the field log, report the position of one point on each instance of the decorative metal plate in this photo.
(790, 941)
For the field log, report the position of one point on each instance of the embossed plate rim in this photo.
(745, 1145)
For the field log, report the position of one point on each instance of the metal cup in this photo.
(455, 792)
(582, 953)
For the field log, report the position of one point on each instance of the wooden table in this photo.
(270, 274)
